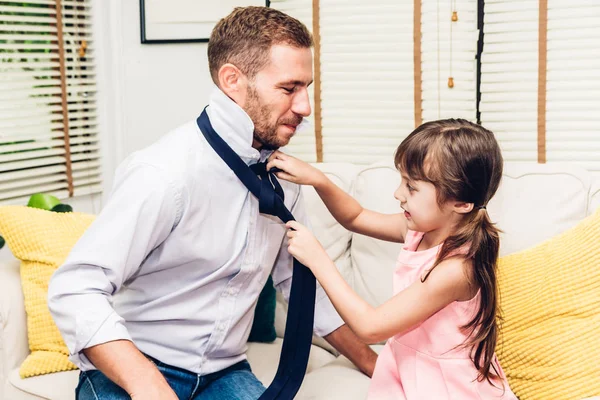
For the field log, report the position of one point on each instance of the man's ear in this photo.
(233, 83)
(461, 207)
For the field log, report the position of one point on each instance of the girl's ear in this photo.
(461, 207)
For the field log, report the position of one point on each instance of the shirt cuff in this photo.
(327, 318)
(110, 330)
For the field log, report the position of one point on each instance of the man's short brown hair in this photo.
(244, 39)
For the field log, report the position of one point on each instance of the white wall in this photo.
(145, 89)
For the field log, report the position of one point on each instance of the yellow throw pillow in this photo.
(41, 240)
(550, 298)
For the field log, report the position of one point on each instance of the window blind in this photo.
(48, 119)
(573, 83)
(367, 78)
(509, 73)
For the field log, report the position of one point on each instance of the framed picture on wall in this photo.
(184, 21)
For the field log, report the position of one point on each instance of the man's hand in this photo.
(126, 366)
(348, 344)
(155, 391)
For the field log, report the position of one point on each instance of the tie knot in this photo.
(260, 168)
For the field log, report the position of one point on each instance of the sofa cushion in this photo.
(338, 380)
(56, 386)
(537, 201)
(263, 358)
(334, 382)
(373, 260)
(41, 240)
(263, 325)
(550, 297)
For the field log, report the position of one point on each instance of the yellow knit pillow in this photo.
(550, 298)
(41, 240)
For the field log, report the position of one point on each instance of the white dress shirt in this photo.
(176, 259)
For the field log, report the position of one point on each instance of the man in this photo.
(156, 300)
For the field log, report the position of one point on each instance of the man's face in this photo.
(277, 98)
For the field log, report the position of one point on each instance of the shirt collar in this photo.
(236, 128)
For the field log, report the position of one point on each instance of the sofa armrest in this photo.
(13, 320)
(594, 199)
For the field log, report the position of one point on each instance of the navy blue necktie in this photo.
(300, 319)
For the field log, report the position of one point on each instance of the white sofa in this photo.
(534, 203)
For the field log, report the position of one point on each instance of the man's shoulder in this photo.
(173, 150)
(175, 156)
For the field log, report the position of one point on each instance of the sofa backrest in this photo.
(538, 201)
(334, 237)
(534, 203)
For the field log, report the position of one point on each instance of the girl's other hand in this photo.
(294, 170)
(305, 247)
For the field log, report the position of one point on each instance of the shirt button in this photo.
(231, 291)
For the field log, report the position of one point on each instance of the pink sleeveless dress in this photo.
(425, 363)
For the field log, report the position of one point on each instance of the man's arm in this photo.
(126, 366)
(137, 218)
(348, 344)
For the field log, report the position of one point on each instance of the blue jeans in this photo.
(236, 383)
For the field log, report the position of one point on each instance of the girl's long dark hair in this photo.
(464, 163)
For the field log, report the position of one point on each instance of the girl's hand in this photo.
(294, 170)
(305, 247)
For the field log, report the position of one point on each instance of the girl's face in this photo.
(421, 209)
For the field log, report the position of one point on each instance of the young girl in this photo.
(441, 324)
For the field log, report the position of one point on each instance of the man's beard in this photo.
(264, 132)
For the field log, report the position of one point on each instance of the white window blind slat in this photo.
(86, 165)
(25, 164)
(25, 29)
(25, 18)
(85, 157)
(85, 190)
(6, 196)
(29, 173)
(27, 184)
(27, 146)
(31, 155)
(40, 2)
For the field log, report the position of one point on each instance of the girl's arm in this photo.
(344, 208)
(448, 282)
